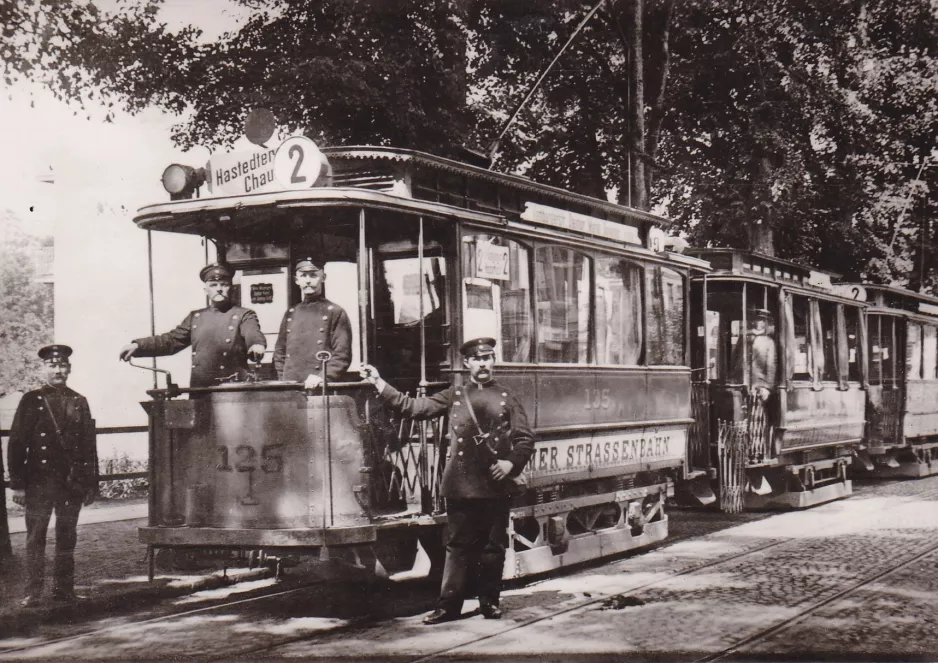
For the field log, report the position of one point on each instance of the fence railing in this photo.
(107, 430)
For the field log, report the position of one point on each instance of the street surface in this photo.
(850, 580)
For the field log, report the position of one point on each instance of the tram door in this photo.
(884, 405)
(407, 295)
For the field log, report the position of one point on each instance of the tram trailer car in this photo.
(793, 449)
(589, 310)
(902, 406)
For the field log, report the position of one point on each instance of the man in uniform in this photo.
(52, 459)
(313, 325)
(222, 336)
(491, 443)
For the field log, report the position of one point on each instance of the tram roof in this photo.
(895, 297)
(402, 180)
(760, 266)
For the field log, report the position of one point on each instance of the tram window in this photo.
(407, 291)
(563, 305)
(724, 330)
(799, 306)
(497, 294)
(618, 312)
(876, 350)
(929, 352)
(913, 351)
(887, 349)
(852, 321)
(664, 297)
(828, 313)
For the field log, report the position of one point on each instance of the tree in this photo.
(794, 127)
(26, 323)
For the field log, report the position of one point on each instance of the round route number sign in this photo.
(299, 164)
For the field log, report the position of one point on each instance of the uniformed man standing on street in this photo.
(313, 325)
(222, 336)
(52, 459)
(491, 442)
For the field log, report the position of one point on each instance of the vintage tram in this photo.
(778, 352)
(902, 406)
(589, 308)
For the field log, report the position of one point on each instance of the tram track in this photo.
(581, 605)
(596, 601)
(767, 633)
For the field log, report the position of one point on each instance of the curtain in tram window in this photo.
(815, 345)
(788, 334)
(842, 354)
(862, 352)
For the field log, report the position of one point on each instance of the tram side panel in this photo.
(252, 469)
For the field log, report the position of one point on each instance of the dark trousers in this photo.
(475, 551)
(41, 501)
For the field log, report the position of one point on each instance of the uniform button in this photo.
(197, 315)
(40, 409)
(325, 317)
(460, 453)
(289, 319)
(195, 326)
(291, 310)
(234, 317)
(224, 354)
(193, 365)
(458, 440)
(193, 352)
(328, 308)
(504, 395)
(319, 342)
(502, 403)
(457, 392)
(221, 367)
(42, 448)
(288, 330)
(288, 355)
(321, 329)
(457, 403)
(42, 434)
(44, 461)
(227, 340)
(230, 327)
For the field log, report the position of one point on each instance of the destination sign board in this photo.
(238, 173)
(590, 225)
(633, 448)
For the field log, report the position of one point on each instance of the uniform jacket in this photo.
(219, 340)
(500, 414)
(306, 329)
(37, 454)
(762, 361)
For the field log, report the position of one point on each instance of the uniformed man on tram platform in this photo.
(313, 325)
(491, 441)
(53, 467)
(222, 336)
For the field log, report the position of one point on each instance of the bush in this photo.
(122, 488)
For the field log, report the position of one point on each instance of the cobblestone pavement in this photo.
(778, 584)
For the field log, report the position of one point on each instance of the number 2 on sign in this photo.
(296, 151)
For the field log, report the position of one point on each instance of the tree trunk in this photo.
(658, 83)
(638, 193)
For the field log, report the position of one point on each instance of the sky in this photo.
(119, 162)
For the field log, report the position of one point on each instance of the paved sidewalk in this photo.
(110, 568)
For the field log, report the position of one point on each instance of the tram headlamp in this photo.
(182, 181)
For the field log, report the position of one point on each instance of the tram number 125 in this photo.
(245, 459)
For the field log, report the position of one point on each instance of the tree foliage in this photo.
(26, 323)
(799, 126)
